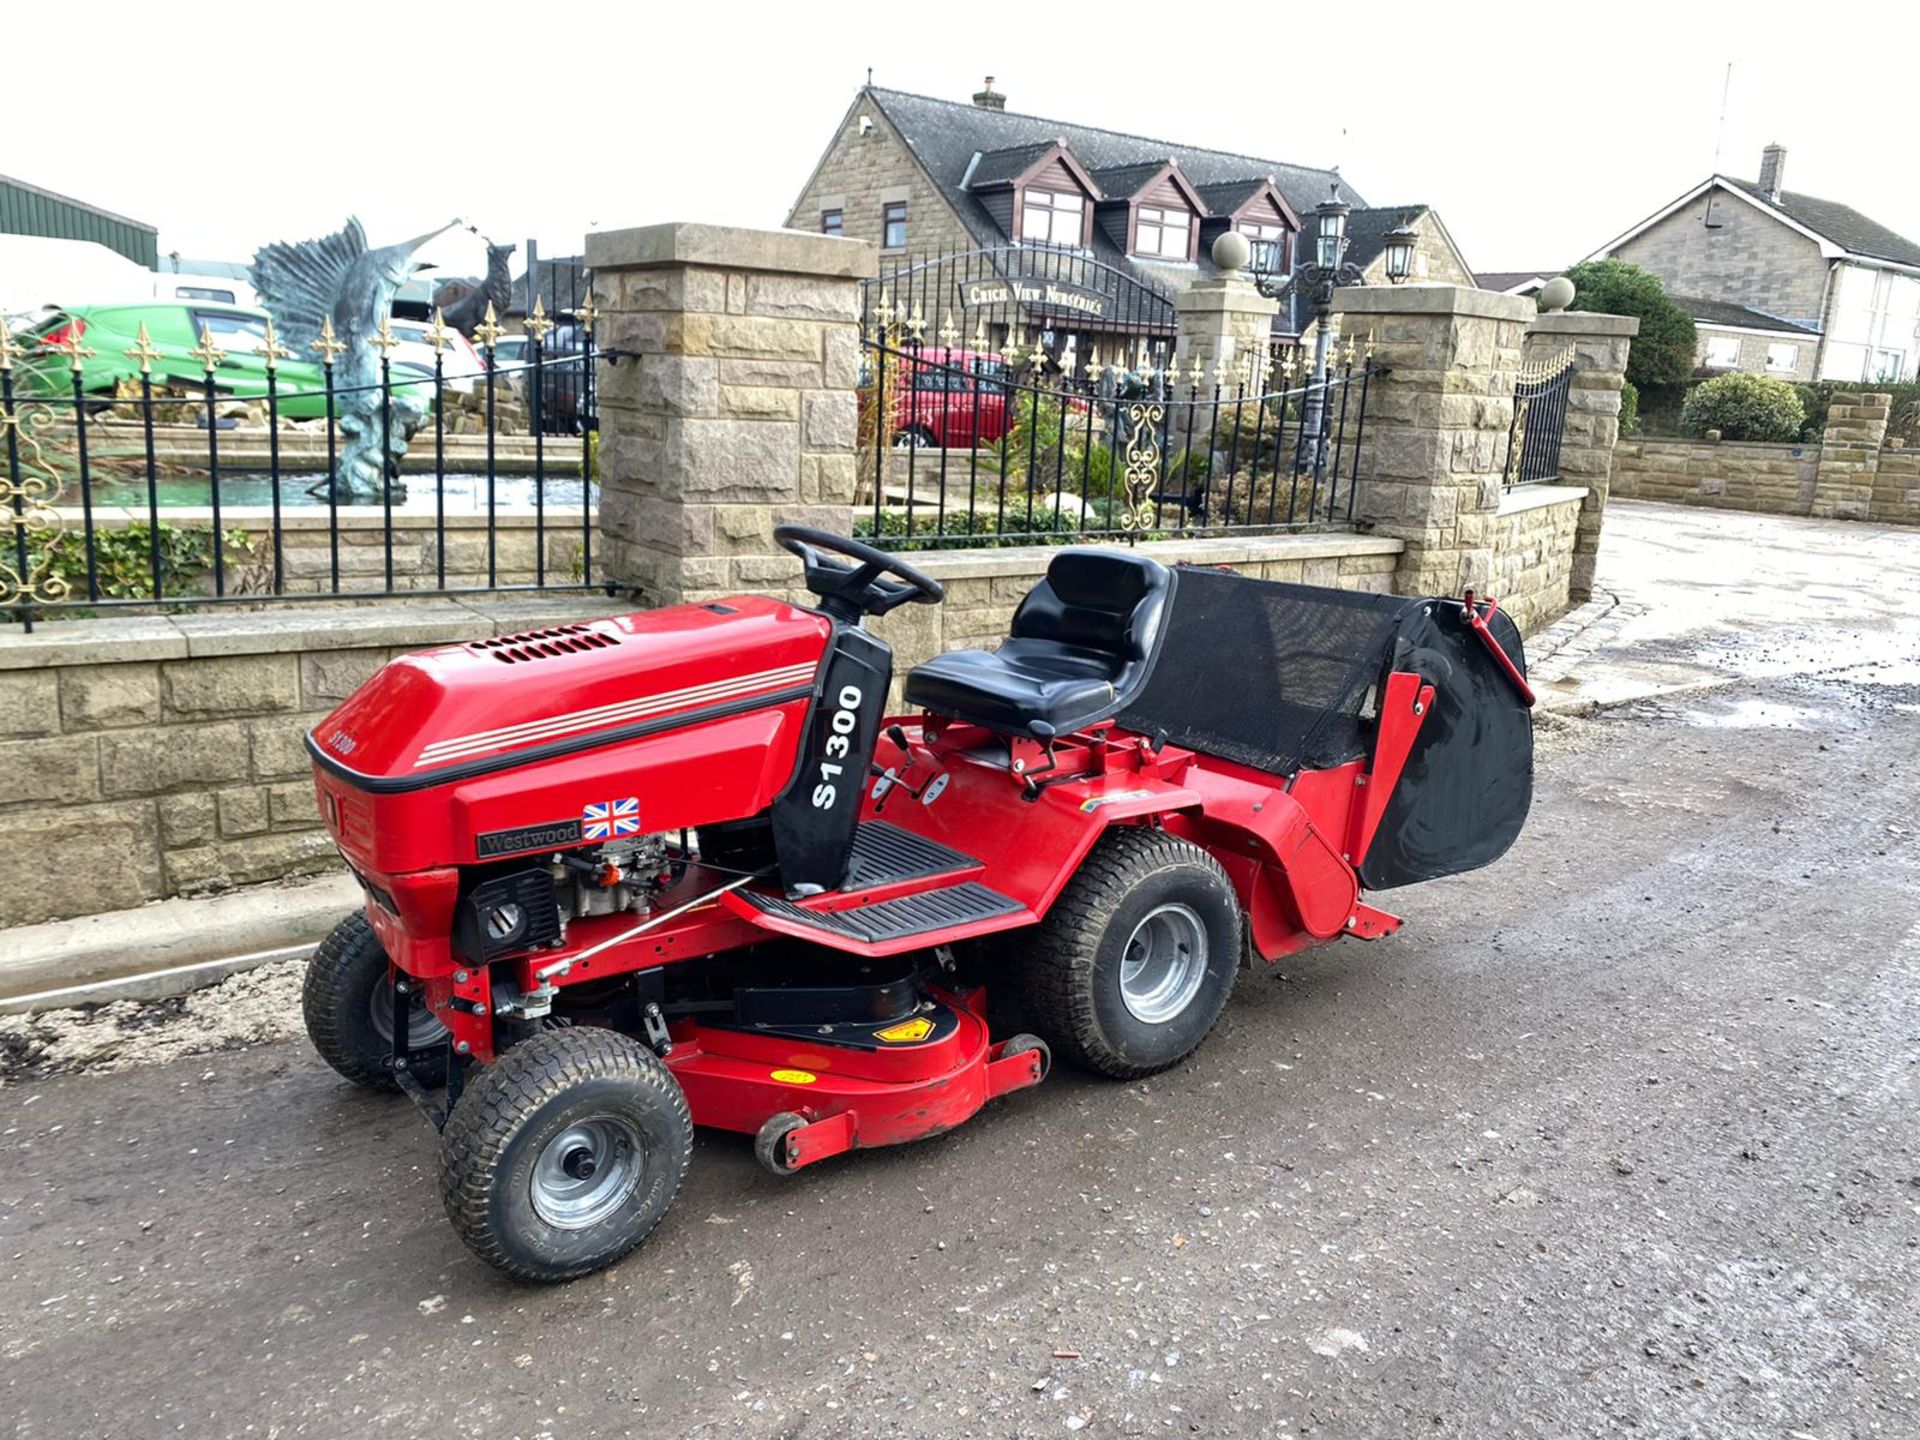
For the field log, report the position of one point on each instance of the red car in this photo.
(953, 399)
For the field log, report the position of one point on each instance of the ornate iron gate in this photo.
(1539, 420)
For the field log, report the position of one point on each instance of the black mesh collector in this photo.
(1271, 675)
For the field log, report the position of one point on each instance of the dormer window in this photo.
(1052, 217)
(1163, 233)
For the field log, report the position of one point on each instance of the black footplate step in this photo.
(884, 854)
(920, 914)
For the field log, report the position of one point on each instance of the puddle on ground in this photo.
(1752, 714)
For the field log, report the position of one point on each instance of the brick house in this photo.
(920, 176)
(1783, 283)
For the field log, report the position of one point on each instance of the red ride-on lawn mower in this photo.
(677, 869)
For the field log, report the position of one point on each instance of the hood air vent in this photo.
(545, 644)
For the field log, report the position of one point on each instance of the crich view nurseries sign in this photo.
(1052, 294)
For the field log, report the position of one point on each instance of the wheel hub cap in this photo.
(587, 1172)
(1164, 964)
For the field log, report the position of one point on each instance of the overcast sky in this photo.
(1539, 131)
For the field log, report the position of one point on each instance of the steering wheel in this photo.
(855, 591)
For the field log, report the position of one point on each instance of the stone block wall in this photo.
(147, 758)
(1436, 427)
(1599, 344)
(1533, 553)
(1850, 457)
(1896, 488)
(1732, 475)
(306, 550)
(1853, 474)
(741, 412)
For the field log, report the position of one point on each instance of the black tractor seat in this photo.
(1082, 645)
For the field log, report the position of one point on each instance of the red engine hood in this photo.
(459, 710)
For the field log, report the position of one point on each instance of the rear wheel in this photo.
(565, 1153)
(347, 1002)
(1133, 964)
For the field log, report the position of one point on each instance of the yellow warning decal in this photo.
(906, 1032)
(794, 1077)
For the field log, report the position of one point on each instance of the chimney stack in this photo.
(1773, 169)
(987, 98)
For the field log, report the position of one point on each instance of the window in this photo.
(230, 332)
(1783, 358)
(1052, 217)
(893, 225)
(1162, 232)
(830, 223)
(1269, 245)
(201, 292)
(1874, 318)
(1723, 352)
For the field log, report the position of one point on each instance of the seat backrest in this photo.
(1103, 600)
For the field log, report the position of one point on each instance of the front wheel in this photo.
(565, 1153)
(347, 1002)
(1132, 966)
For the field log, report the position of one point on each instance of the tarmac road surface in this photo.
(1616, 1137)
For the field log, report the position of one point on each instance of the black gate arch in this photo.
(1061, 301)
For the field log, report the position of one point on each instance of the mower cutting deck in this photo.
(677, 868)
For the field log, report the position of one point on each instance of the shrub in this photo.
(1629, 409)
(1662, 353)
(1745, 407)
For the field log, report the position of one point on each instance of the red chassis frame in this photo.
(1290, 847)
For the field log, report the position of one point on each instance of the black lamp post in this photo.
(1315, 282)
(1397, 251)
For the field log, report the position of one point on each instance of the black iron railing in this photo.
(960, 448)
(1540, 400)
(154, 489)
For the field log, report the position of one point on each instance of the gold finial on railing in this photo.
(384, 340)
(948, 335)
(917, 324)
(1262, 369)
(980, 333)
(142, 350)
(537, 324)
(1369, 356)
(331, 349)
(586, 312)
(7, 348)
(209, 354)
(1093, 365)
(1350, 353)
(438, 335)
(487, 332)
(269, 346)
(885, 312)
(1286, 368)
(71, 347)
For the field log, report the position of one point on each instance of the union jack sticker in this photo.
(611, 819)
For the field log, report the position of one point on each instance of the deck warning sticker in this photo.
(907, 1032)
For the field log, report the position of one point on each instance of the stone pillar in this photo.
(1599, 344)
(1221, 321)
(740, 411)
(1430, 465)
(1850, 456)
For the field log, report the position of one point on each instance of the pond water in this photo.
(464, 494)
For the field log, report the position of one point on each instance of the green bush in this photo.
(1745, 407)
(1629, 409)
(1662, 353)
